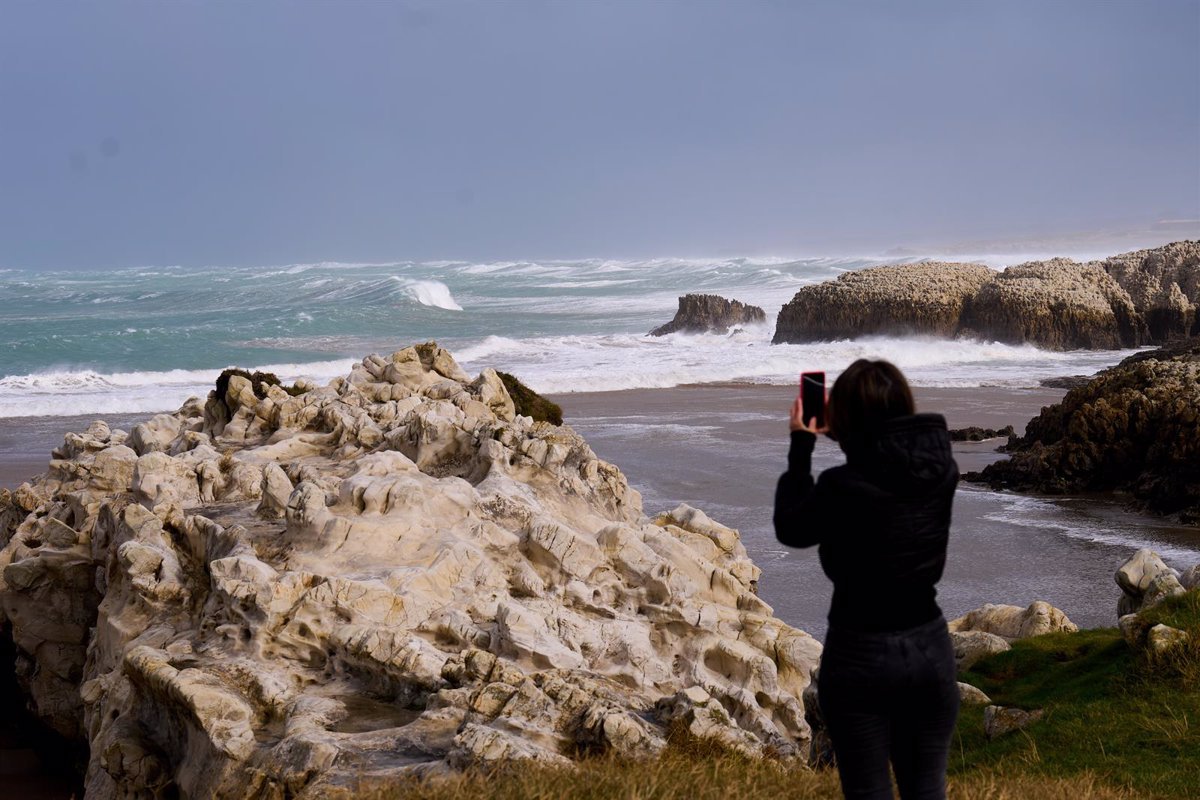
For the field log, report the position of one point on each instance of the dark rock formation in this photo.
(710, 313)
(925, 298)
(976, 434)
(1147, 297)
(1134, 427)
(1065, 381)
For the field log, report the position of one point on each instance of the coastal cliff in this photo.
(274, 594)
(1146, 297)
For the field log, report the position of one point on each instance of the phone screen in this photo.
(812, 396)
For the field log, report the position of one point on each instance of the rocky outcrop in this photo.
(394, 573)
(1134, 427)
(1058, 304)
(1164, 285)
(710, 313)
(925, 298)
(1138, 298)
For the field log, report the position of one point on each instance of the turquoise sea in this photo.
(145, 339)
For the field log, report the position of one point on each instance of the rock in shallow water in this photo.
(1134, 427)
(393, 573)
(710, 313)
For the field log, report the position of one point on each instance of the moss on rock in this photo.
(529, 403)
(259, 381)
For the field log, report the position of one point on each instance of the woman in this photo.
(887, 684)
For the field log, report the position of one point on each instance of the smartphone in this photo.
(812, 396)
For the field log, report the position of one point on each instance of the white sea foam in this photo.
(588, 284)
(558, 364)
(429, 293)
(72, 392)
(1062, 517)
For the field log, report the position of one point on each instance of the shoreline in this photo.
(26, 442)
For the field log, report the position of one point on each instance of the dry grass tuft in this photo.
(677, 776)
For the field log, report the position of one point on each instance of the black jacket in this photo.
(882, 521)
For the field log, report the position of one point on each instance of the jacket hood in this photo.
(909, 453)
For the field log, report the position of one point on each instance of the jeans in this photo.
(890, 696)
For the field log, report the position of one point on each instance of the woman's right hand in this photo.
(797, 423)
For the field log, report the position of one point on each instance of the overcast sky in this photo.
(269, 133)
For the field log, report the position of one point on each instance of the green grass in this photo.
(1124, 717)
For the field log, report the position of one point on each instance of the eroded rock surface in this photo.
(1057, 304)
(265, 596)
(710, 313)
(1146, 297)
(1164, 285)
(1133, 427)
(925, 298)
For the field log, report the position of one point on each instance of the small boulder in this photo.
(1133, 629)
(1135, 575)
(973, 646)
(976, 434)
(1161, 638)
(999, 720)
(970, 695)
(1190, 579)
(1163, 586)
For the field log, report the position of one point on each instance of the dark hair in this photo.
(865, 396)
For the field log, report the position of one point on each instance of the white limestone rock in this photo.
(1135, 575)
(1014, 622)
(972, 646)
(1161, 639)
(396, 562)
(1145, 581)
(970, 695)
